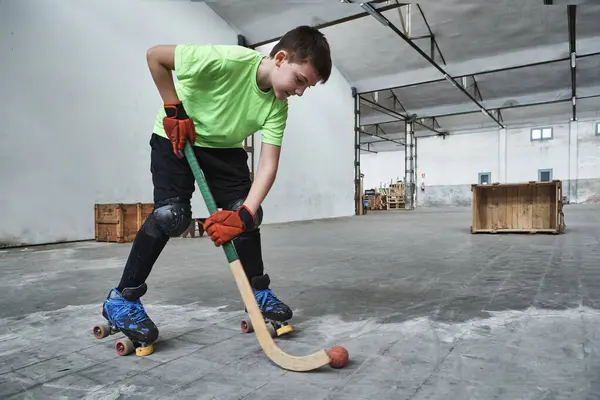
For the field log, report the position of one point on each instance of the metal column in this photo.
(358, 207)
(416, 176)
(409, 166)
(572, 15)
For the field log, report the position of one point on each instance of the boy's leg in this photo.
(228, 177)
(173, 187)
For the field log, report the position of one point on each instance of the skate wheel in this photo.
(101, 331)
(124, 347)
(272, 330)
(284, 330)
(247, 326)
(144, 350)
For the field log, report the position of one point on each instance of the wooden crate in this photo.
(532, 207)
(119, 222)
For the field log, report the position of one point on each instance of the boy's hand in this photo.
(178, 127)
(225, 225)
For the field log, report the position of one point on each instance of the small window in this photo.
(545, 175)
(485, 178)
(597, 128)
(541, 134)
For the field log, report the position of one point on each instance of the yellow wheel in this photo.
(144, 350)
(285, 329)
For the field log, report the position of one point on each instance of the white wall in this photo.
(381, 168)
(316, 174)
(76, 84)
(526, 157)
(457, 159)
(452, 164)
(588, 150)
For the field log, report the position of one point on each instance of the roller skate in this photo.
(275, 312)
(125, 313)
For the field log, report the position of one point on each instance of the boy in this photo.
(223, 95)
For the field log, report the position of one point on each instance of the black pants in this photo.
(228, 177)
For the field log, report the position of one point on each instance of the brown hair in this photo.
(307, 44)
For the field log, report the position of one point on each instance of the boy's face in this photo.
(289, 79)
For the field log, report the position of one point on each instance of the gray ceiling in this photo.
(474, 38)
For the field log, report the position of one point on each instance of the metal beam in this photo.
(433, 41)
(377, 141)
(489, 71)
(368, 148)
(376, 134)
(394, 114)
(333, 23)
(571, 14)
(539, 103)
(384, 21)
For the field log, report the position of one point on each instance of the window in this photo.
(597, 128)
(545, 175)
(541, 133)
(485, 178)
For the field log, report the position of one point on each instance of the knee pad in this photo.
(173, 217)
(235, 205)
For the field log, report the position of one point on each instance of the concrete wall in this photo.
(453, 164)
(76, 85)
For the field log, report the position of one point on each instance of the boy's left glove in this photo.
(225, 225)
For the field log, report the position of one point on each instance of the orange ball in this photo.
(339, 356)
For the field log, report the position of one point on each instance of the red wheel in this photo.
(247, 326)
(124, 347)
(101, 331)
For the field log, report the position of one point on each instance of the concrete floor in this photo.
(426, 310)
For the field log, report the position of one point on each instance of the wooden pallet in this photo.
(119, 222)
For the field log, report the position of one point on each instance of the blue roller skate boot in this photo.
(275, 312)
(125, 313)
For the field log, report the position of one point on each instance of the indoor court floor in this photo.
(426, 309)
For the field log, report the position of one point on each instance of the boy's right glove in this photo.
(178, 127)
(225, 225)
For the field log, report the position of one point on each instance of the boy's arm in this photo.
(178, 126)
(161, 61)
(265, 176)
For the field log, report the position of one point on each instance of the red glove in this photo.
(178, 127)
(225, 225)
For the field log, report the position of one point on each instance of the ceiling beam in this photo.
(498, 109)
(384, 21)
(391, 113)
(432, 36)
(333, 23)
(376, 134)
(571, 14)
(489, 71)
(368, 149)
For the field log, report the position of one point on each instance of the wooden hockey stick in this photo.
(278, 356)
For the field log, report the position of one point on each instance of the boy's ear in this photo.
(280, 57)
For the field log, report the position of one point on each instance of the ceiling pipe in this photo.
(384, 21)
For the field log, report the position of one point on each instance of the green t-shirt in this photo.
(218, 89)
